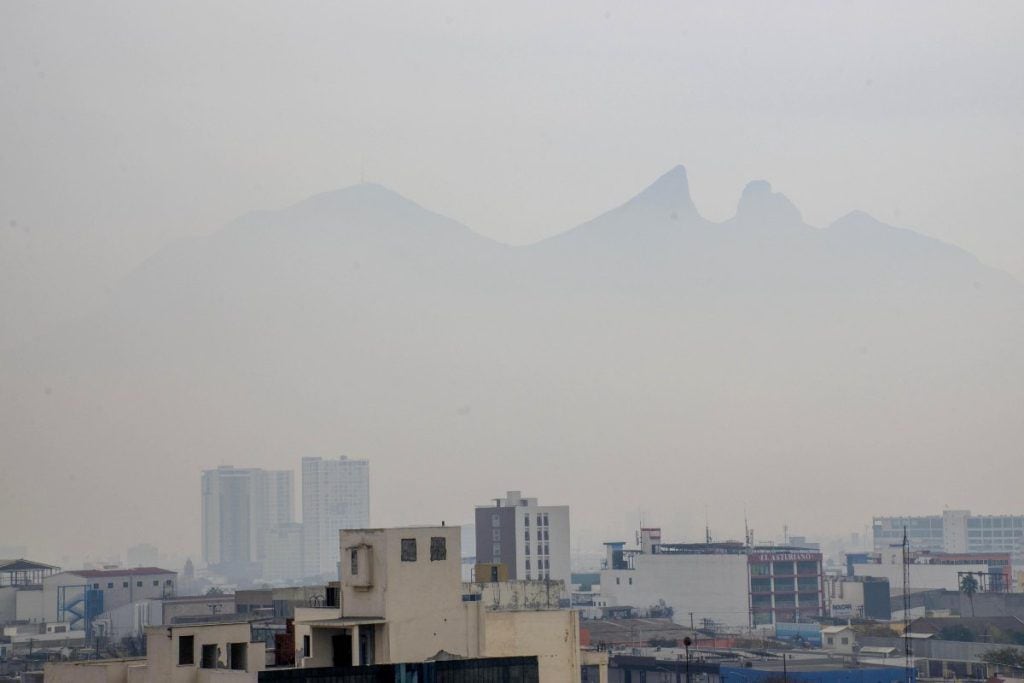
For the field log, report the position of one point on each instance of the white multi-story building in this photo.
(531, 540)
(335, 496)
(728, 585)
(284, 558)
(239, 507)
(954, 531)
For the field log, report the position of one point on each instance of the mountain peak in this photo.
(759, 203)
(669, 192)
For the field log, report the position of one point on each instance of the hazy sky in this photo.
(124, 125)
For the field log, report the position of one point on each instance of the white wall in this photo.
(710, 586)
(922, 576)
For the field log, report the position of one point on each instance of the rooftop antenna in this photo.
(707, 527)
(746, 528)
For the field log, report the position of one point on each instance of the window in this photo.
(495, 519)
(186, 650)
(138, 584)
(496, 551)
(110, 584)
(305, 646)
(845, 641)
(527, 565)
(168, 582)
(156, 582)
(438, 549)
(526, 548)
(617, 582)
(208, 657)
(539, 518)
(631, 581)
(354, 561)
(526, 520)
(545, 519)
(831, 640)
(526, 535)
(495, 534)
(237, 656)
(96, 586)
(124, 585)
(408, 550)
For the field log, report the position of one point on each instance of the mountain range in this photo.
(648, 358)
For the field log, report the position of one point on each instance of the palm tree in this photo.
(969, 586)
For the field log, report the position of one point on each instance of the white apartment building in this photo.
(284, 556)
(239, 507)
(335, 496)
(531, 540)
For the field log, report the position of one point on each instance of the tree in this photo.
(957, 632)
(969, 586)
(215, 591)
(1005, 656)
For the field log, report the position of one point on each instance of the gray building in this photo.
(239, 507)
(530, 540)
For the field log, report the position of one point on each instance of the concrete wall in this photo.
(922, 576)
(162, 645)
(29, 606)
(711, 586)
(8, 604)
(551, 635)
(518, 594)
(104, 671)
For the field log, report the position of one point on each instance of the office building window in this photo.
(495, 534)
(408, 550)
(138, 584)
(110, 584)
(526, 520)
(495, 519)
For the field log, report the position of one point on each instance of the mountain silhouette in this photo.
(646, 349)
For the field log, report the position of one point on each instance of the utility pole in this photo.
(907, 651)
(785, 671)
(686, 643)
(691, 621)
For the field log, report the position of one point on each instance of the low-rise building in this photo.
(936, 570)
(200, 653)
(78, 597)
(862, 597)
(21, 583)
(839, 639)
(402, 600)
(728, 585)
